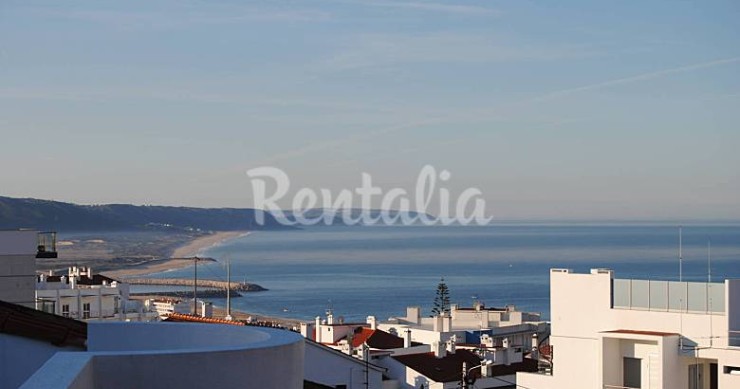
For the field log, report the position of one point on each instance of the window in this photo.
(632, 377)
(65, 310)
(696, 376)
(86, 310)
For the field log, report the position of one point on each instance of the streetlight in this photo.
(466, 371)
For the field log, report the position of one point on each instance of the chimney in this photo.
(446, 323)
(73, 282)
(451, 346)
(318, 329)
(437, 323)
(330, 318)
(373, 322)
(307, 331)
(439, 349)
(407, 338)
(413, 315)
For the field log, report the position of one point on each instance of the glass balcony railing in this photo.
(699, 297)
(47, 245)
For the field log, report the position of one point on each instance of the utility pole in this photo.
(228, 290)
(680, 253)
(195, 287)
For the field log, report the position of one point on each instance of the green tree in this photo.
(442, 299)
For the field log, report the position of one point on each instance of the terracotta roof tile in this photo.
(377, 339)
(179, 317)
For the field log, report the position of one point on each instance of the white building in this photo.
(333, 368)
(82, 295)
(621, 333)
(18, 252)
(443, 368)
(167, 306)
(469, 325)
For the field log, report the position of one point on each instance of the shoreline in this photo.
(180, 258)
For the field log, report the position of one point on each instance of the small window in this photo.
(632, 373)
(734, 370)
(65, 310)
(86, 310)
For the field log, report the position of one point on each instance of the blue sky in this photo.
(555, 110)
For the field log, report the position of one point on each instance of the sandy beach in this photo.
(196, 246)
(180, 257)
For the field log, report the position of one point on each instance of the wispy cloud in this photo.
(378, 50)
(637, 78)
(451, 7)
(180, 16)
(327, 145)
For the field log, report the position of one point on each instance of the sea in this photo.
(380, 270)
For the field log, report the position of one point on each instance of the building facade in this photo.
(18, 252)
(83, 295)
(640, 334)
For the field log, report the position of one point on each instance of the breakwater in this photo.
(235, 286)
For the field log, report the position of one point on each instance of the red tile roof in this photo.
(30, 323)
(178, 317)
(636, 332)
(377, 339)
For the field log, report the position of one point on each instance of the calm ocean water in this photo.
(360, 271)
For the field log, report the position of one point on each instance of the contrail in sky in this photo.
(640, 77)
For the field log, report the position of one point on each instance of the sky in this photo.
(565, 109)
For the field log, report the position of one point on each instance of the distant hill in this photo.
(59, 216)
(336, 216)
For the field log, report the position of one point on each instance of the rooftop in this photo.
(30, 323)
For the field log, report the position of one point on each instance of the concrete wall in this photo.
(180, 355)
(329, 367)
(18, 243)
(21, 357)
(18, 266)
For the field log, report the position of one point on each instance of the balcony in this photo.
(47, 245)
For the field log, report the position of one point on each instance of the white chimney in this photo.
(437, 323)
(413, 315)
(439, 349)
(306, 331)
(373, 322)
(318, 329)
(446, 323)
(451, 346)
(330, 318)
(407, 338)
(73, 282)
